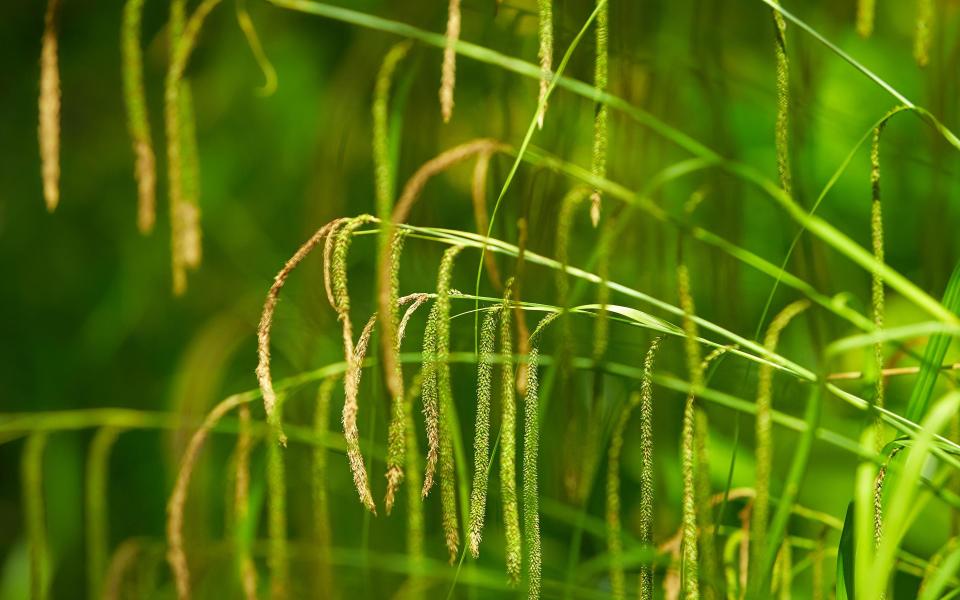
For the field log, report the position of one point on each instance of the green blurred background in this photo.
(88, 319)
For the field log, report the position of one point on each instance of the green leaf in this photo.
(845, 558)
(934, 354)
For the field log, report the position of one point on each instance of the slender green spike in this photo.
(599, 162)
(921, 40)
(545, 53)
(508, 444)
(783, 104)
(138, 122)
(34, 506)
(481, 440)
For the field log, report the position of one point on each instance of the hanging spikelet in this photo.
(266, 323)
(448, 496)
(921, 40)
(138, 123)
(876, 237)
(481, 440)
(599, 163)
(351, 432)
(321, 502)
(783, 103)
(865, 16)
(35, 507)
(383, 173)
(690, 558)
(508, 444)
(181, 143)
(98, 469)
(545, 54)
(764, 441)
(646, 467)
(50, 106)
(531, 449)
(644, 399)
(396, 437)
(448, 75)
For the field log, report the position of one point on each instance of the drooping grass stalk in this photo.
(383, 170)
(97, 489)
(690, 560)
(783, 104)
(138, 123)
(241, 500)
(599, 162)
(256, 48)
(409, 197)
(266, 322)
(644, 399)
(479, 196)
(481, 440)
(49, 130)
(351, 407)
(430, 400)
(448, 482)
(764, 448)
(508, 444)
(321, 501)
(181, 145)
(921, 40)
(34, 507)
(876, 237)
(545, 53)
(278, 559)
(448, 76)
(531, 449)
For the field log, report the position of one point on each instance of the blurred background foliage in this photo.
(89, 321)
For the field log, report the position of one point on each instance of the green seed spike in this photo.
(599, 163)
(396, 436)
(481, 440)
(764, 442)
(876, 237)
(783, 104)
(138, 123)
(531, 493)
(97, 489)
(689, 557)
(545, 53)
(35, 508)
(448, 75)
(644, 399)
(448, 495)
(646, 469)
(508, 444)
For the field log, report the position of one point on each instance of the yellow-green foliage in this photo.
(98, 469)
(138, 122)
(481, 439)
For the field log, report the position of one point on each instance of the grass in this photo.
(703, 225)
